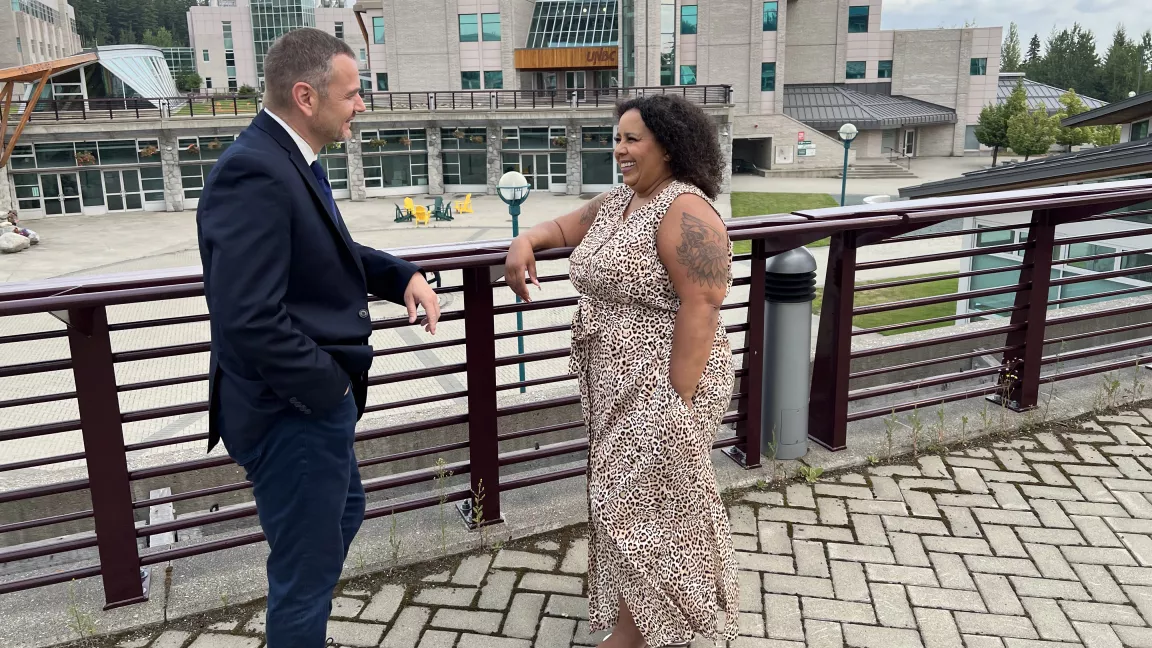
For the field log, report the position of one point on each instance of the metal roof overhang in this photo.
(1124, 159)
(1121, 112)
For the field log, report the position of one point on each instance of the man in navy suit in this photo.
(287, 291)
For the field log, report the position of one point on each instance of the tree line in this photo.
(1069, 59)
(1011, 125)
(162, 23)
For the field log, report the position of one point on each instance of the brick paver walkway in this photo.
(1039, 541)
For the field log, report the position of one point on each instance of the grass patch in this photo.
(902, 293)
(747, 203)
(223, 106)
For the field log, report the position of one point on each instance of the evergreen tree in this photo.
(160, 38)
(1010, 52)
(1033, 56)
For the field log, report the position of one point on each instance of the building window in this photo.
(687, 75)
(771, 12)
(395, 158)
(382, 81)
(581, 23)
(1140, 130)
(378, 29)
(667, 42)
(490, 23)
(688, 19)
(857, 69)
(971, 142)
(884, 70)
(465, 153)
(857, 20)
(979, 67)
(227, 29)
(538, 153)
(494, 80)
(468, 32)
(208, 83)
(20, 48)
(767, 77)
(340, 30)
(335, 163)
(596, 163)
(470, 80)
(232, 84)
(230, 63)
(363, 55)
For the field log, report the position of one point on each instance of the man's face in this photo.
(332, 118)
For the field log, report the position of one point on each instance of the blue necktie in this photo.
(322, 178)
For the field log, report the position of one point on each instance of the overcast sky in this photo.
(1033, 16)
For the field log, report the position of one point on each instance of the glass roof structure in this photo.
(574, 23)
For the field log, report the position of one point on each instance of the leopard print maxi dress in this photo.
(659, 534)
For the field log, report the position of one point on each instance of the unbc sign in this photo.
(600, 57)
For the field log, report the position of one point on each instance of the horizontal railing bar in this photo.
(1117, 234)
(543, 304)
(923, 402)
(412, 454)
(501, 283)
(160, 443)
(193, 520)
(1092, 334)
(9, 371)
(164, 412)
(936, 320)
(166, 321)
(943, 379)
(941, 256)
(41, 491)
(162, 352)
(944, 339)
(17, 553)
(1095, 369)
(512, 410)
(163, 382)
(98, 299)
(37, 400)
(1117, 215)
(1110, 255)
(21, 338)
(200, 549)
(960, 232)
(416, 476)
(932, 361)
(559, 427)
(178, 468)
(191, 495)
(44, 461)
(943, 277)
(1092, 276)
(43, 522)
(535, 382)
(535, 356)
(401, 322)
(415, 348)
(544, 452)
(424, 400)
(939, 299)
(1098, 350)
(1096, 314)
(43, 429)
(417, 374)
(535, 480)
(407, 428)
(536, 331)
(55, 578)
(1111, 293)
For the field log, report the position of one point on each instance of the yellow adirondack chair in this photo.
(464, 206)
(409, 206)
(422, 215)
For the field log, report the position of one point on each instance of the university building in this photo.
(460, 91)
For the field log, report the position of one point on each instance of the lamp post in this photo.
(847, 133)
(513, 189)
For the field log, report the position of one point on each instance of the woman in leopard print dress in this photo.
(652, 264)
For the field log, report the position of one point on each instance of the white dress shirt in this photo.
(310, 156)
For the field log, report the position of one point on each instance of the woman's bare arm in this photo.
(693, 245)
(566, 231)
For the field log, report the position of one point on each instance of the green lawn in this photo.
(902, 293)
(223, 106)
(761, 204)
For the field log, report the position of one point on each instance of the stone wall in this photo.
(170, 162)
(355, 149)
(575, 170)
(495, 168)
(435, 162)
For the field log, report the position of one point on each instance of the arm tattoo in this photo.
(703, 251)
(591, 209)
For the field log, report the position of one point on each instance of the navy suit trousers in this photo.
(311, 503)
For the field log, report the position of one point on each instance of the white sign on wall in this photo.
(806, 149)
(784, 154)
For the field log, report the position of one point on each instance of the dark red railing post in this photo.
(480, 351)
(1020, 379)
(747, 452)
(828, 404)
(107, 464)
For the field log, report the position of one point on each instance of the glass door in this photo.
(61, 193)
(122, 190)
(576, 81)
(534, 166)
(909, 142)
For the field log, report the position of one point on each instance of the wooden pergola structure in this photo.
(28, 74)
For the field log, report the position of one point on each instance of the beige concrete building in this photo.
(33, 31)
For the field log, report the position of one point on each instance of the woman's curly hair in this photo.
(687, 134)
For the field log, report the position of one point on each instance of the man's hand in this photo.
(420, 293)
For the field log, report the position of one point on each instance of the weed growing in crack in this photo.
(917, 429)
(442, 475)
(890, 423)
(811, 474)
(478, 510)
(78, 621)
(394, 540)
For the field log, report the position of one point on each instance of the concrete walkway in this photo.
(1041, 541)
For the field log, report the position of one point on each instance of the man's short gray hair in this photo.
(302, 55)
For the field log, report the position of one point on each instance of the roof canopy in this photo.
(1122, 112)
(36, 71)
(828, 107)
(1103, 162)
(1040, 95)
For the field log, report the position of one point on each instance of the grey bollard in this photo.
(789, 288)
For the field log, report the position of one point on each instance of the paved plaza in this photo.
(1037, 541)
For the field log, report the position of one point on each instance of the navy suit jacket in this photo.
(286, 287)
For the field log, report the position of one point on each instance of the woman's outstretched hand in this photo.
(521, 260)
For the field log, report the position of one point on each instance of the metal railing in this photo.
(103, 342)
(898, 156)
(231, 105)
